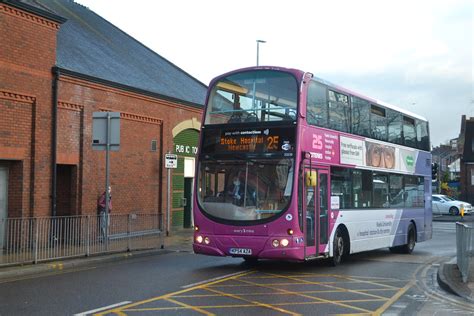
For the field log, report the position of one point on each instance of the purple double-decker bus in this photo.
(292, 167)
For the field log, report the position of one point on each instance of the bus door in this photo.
(316, 209)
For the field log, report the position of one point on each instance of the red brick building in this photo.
(59, 63)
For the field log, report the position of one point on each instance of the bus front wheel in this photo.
(339, 248)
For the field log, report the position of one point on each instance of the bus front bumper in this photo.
(262, 250)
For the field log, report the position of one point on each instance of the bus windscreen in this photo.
(253, 96)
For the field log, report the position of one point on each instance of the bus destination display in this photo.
(266, 140)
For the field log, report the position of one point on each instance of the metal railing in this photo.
(464, 248)
(31, 240)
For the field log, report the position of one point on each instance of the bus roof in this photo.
(299, 74)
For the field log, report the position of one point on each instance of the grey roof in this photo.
(90, 45)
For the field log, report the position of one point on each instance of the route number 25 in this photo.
(317, 141)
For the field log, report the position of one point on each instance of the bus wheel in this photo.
(411, 240)
(339, 247)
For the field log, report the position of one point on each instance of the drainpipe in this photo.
(54, 139)
(160, 177)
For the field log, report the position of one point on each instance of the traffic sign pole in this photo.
(171, 162)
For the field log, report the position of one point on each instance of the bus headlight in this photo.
(284, 242)
(275, 243)
(207, 241)
(199, 239)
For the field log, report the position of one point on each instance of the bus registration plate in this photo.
(240, 251)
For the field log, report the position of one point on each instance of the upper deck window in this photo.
(378, 123)
(339, 112)
(360, 117)
(422, 135)
(409, 132)
(253, 96)
(394, 127)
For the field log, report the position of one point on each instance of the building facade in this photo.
(60, 63)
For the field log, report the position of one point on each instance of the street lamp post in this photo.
(258, 44)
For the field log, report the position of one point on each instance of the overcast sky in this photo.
(416, 54)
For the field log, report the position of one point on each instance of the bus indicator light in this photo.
(290, 231)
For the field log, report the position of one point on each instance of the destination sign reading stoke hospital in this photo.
(259, 140)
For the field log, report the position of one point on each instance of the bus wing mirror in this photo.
(311, 178)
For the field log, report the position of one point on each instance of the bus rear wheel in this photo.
(411, 241)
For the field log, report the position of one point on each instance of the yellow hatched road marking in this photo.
(343, 289)
(309, 296)
(118, 310)
(402, 291)
(244, 281)
(194, 308)
(273, 293)
(256, 303)
(248, 305)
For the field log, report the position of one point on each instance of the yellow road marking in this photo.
(273, 293)
(194, 308)
(244, 281)
(256, 303)
(310, 297)
(402, 291)
(248, 305)
(343, 290)
(166, 296)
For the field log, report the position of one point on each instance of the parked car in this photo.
(443, 204)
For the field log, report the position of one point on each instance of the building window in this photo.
(153, 145)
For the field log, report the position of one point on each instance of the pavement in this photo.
(449, 276)
(178, 241)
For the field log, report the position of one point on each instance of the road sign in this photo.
(106, 130)
(171, 161)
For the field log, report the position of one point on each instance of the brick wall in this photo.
(26, 58)
(135, 168)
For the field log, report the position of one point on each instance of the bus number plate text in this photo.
(240, 251)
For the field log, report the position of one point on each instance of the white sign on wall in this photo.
(171, 161)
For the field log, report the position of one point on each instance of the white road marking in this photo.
(213, 279)
(102, 308)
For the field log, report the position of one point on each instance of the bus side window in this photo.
(362, 188)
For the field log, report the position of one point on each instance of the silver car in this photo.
(443, 204)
